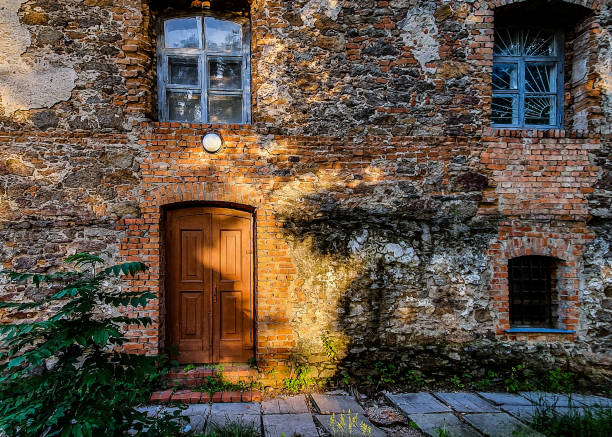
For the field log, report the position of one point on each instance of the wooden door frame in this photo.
(252, 211)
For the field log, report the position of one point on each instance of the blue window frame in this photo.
(527, 79)
(203, 70)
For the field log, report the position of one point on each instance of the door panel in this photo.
(230, 255)
(209, 284)
(230, 316)
(191, 312)
(232, 284)
(191, 248)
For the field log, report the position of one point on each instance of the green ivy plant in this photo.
(66, 375)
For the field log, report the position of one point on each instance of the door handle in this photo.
(215, 294)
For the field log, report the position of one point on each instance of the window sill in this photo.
(538, 133)
(539, 331)
(200, 126)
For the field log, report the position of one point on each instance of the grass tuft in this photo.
(576, 422)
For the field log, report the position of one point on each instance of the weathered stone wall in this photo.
(386, 209)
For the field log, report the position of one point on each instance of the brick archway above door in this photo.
(163, 195)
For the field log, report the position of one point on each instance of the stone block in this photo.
(338, 430)
(591, 401)
(287, 405)
(289, 425)
(245, 412)
(432, 424)
(505, 398)
(499, 425)
(328, 404)
(411, 403)
(467, 402)
(545, 399)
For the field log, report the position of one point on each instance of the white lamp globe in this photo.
(212, 142)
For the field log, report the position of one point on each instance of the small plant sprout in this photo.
(348, 424)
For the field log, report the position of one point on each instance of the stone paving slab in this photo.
(288, 405)
(324, 420)
(411, 403)
(198, 415)
(275, 425)
(591, 400)
(523, 412)
(499, 425)
(526, 412)
(466, 402)
(548, 399)
(328, 404)
(247, 412)
(432, 422)
(505, 398)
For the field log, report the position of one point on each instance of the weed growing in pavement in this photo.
(232, 428)
(348, 425)
(576, 422)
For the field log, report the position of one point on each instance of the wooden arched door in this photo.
(209, 292)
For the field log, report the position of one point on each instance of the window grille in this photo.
(531, 291)
(204, 70)
(527, 78)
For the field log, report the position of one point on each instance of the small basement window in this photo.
(527, 78)
(532, 291)
(203, 70)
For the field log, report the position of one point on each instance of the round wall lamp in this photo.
(212, 142)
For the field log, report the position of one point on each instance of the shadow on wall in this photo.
(388, 271)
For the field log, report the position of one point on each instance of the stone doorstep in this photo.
(196, 397)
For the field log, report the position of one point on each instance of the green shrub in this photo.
(65, 376)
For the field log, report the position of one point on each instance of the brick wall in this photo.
(386, 210)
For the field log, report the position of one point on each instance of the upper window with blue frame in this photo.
(527, 79)
(204, 69)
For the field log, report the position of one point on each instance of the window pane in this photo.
(540, 110)
(223, 36)
(539, 78)
(184, 107)
(182, 33)
(183, 71)
(505, 76)
(225, 74)
(504, 110)
(225, 109)
(524, 42)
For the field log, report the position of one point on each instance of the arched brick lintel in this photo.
(519, 238)
(560, 249)
(591, 4)
(201, 192)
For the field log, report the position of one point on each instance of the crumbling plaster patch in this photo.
(419, 32)
(331, 8)
(26, 83)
